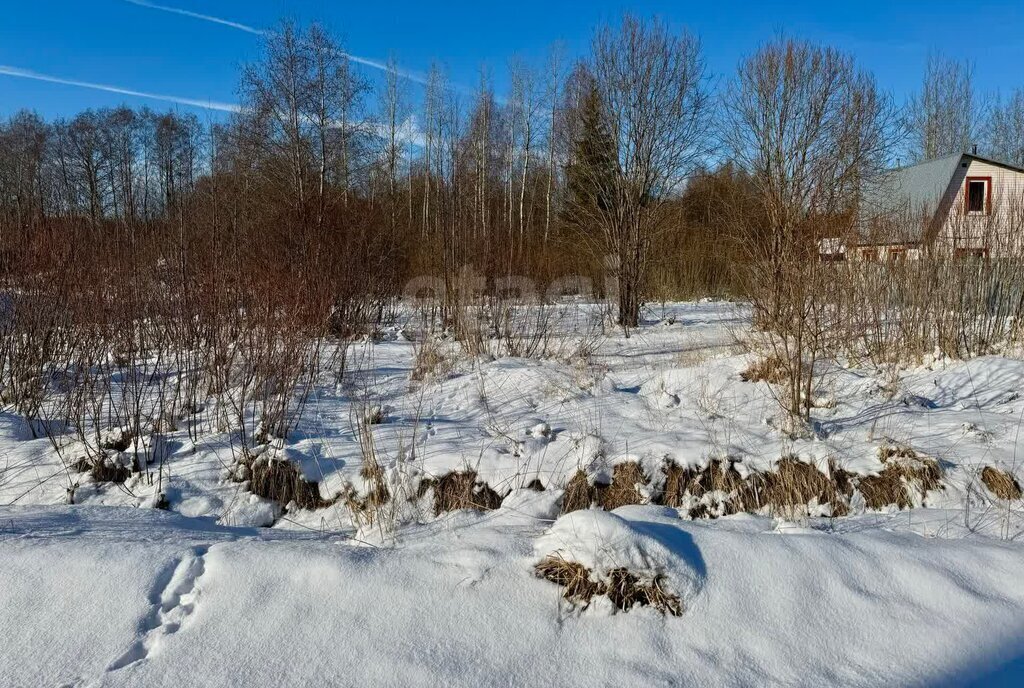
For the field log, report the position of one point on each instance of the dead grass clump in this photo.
(626, 591)
(717, 477)
(883, 490)
(720, 489)
(103, 470)
(1000, 483)
(771, 369)
(459, 490)
(579, 494)
(796, 483)
(627, 478)
(367, 509)
(906, 476)
(571, 575)
(677, 479)
(118, 439)
(623, 588)
(281, 481)
(379, 494)
(430, 362)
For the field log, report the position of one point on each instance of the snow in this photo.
(228, 588)
(101, 596)
(602, 541)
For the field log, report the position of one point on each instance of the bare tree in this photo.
(392, 107)
(23, 146)
(432, 103)
(1004, 129)
(943, 117)
(551, 99)
(654, 96)
(527, 107)
(809, 128)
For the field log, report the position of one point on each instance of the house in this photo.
(960, 205)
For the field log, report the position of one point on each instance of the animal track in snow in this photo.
(174, 599)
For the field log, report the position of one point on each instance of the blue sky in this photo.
(123, 44)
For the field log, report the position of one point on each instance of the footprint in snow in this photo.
(174, 601)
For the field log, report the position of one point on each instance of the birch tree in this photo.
(943, 116)
(1004, 130)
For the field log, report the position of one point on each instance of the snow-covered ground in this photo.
(110, 591)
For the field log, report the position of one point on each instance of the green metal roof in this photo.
(914, 193)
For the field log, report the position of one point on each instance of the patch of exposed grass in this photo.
(771, 369)
(281, 481)
(460, 490)
(1000, 483)
(367, 508)
(719, 488)
(627, 479)
(625, 589)
(579, 493)
(904, 482)
(796, 483)
(717, 477)
(105, 469)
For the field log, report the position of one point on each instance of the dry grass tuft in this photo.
(367, 509)
(883, 490)
(906, 475)
(103, 470)
(281, 481)
(795, 483)
(579, 494)
(771, 369)
(459, 490)
(717, 477)
(720, 489)
(1000, 483)
(379, 494)
(677, 479)
(623, 588)
(626, 591)
(573, 576)
(627, 478)
(430, 362)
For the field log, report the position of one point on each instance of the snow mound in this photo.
(643, 540)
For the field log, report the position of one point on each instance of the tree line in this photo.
(626, 161)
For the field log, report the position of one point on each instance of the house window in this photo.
(978, 195)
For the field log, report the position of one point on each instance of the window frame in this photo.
(986, 200)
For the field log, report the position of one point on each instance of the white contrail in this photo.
(405, 74)
(407, 130)
(29, 74)
(375, 64)
(196, 15)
